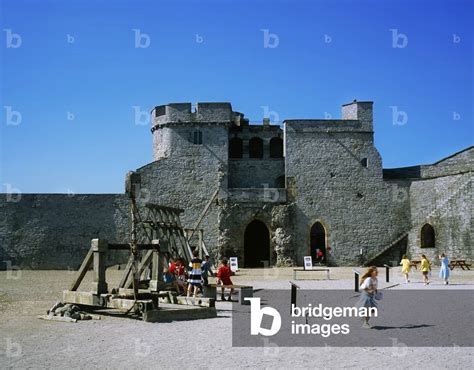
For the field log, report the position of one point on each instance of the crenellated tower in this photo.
(181, 130)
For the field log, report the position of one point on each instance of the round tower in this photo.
(180, 130)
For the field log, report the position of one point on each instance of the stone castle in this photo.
(266, 194)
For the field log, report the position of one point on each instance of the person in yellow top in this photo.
(406, 267)
(425, 269)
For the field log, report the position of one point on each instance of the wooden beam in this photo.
(118, 246)
(99, 248)
(198, 301)
(156, 206)
(82, 270)
(141, 267)
(203, 213)
(172, 313)
(127, 304)
(83, 298)
(126, 272)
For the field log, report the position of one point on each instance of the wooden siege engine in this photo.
(156, 235)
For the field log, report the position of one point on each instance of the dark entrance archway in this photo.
(256, 244)
(318, 241)
(428, 238)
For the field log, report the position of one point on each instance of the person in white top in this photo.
(368, 284)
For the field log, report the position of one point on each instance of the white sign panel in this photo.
(308, 262)
(234, 264)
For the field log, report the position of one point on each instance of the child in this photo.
(194, 279)
(369, 283)
(425, 269)
(206, 270)
(405, 268)
(177, 269)
(444, 271)
(223, 277)
(170, 278)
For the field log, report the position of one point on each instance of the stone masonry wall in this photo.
(361, 208)
(445, 203)
(329, 184)
(54, 231)
(235, 218)
(190, 175)
(256, 173)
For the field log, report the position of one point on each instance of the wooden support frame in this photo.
(141, 267)
(95, 256)
(82, 271)
(99, 248)
(162, 227)
(189, 233)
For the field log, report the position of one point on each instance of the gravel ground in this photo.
(115, 342)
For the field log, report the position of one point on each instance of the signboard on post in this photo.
(308, 262)
(234, 264)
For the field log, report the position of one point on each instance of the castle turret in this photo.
(180, 130)
(361, 111)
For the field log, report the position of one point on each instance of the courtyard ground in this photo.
(112, 342)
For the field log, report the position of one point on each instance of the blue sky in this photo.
(78, 59)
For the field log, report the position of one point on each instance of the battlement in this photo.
(184, 113)
(356, 117)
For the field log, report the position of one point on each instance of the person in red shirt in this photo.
(177, 269)
(172, 267)
(319, 256)
(223, 278)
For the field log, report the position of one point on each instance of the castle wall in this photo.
(328, 183)
(460, 162)
(190, 175)
(440, 195)
(457, 163)
(54, 231)
(256, 173)
(332, 174)
(446, 204)
(277, 217)
(262, 172)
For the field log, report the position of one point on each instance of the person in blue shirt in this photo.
(206, 270)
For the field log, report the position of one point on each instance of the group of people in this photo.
(189, 280)
(425, 268)
(369, 283)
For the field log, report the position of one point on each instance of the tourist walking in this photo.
(406, 267)
(444, 270)
(425, 269)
